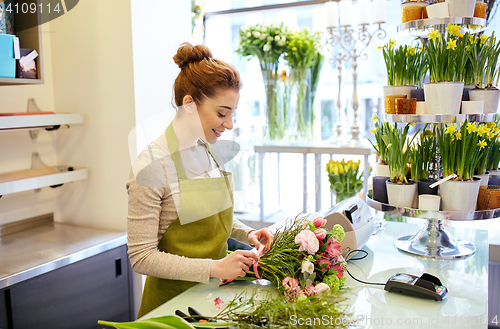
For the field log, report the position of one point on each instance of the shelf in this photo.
(33, 183)
(438, 215)
(421, 27)
(22, 122)
(440, 118)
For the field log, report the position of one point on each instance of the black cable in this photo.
(359, 258)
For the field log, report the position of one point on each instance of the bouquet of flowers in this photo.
(303, 260)
(345, 178)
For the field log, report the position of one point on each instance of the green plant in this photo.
(423, 154)
(488, 133)
(378, 131)
(405, 65)
(493, 160)
(478, 58)
(492, 63)
(398, 152)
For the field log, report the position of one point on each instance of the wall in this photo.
(93, 75)
(16, 147)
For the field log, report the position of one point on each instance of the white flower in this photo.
(281, 42)
(307, 266)
(320, 287)
(267, 47)
(262, 36)
(256, 34)
(270, 39)
(249, 34)
(277, 38)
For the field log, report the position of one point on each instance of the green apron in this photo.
(203, 238)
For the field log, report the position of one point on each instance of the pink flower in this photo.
(324, 259)
(308, 242)
(307, 266)
(320, 287)
(218, 303)
(289, 283)
(339, 269)
(333, 248)
(320, 233)
(319, 222)
(309, 291)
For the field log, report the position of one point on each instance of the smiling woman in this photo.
(180, 198)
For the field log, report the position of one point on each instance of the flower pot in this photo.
(390, 103)
(480, 9)
(443, 97)
(401, 195)
(489, 96)
(461, 8)
(423, 186)
(380, 189)
(399, 90)
(382, 170)
(437, 10)
(429, 202)
(412, 10)
(418, 94)
(488, 197)
(472, 107)
(421, 108)
(484, 178)
(459, 195)
(406, 105)
(494, 179)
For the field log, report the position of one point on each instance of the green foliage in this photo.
(380, 129)
(405, 65)
(423, 155)
(164, 322)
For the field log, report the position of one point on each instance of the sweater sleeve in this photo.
(240, 231)
(150, 211)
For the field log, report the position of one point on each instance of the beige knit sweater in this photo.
(153, 200)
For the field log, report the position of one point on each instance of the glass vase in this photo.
(304, 117)
(275, 123)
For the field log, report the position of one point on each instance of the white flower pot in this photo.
(459, 195)
(382, 170)
(484, 178)
(461, 8)
(399, 90)
(472, 107)
(443, 97)
(490, 97)
(494, 172)
(437, 10)
(400, 195)
(421, 108)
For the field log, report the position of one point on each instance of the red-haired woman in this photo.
(178, 230)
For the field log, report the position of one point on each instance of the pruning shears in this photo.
(194, 316)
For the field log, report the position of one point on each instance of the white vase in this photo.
(401, 195)
(382, 170)
(472, 107)
(459, 195)
(484, 178)
(399, 90)
(443, 97)
(490, 97)
(438, 10)
(461, 8)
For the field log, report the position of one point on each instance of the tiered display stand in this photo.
(433, 241)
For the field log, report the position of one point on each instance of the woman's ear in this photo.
(188, 103)
(187, 99)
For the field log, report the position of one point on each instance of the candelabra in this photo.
(347, 45)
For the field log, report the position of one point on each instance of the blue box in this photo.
(7, 60)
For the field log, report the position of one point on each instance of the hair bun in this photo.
(188, 53)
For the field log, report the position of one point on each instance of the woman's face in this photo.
(216, 114)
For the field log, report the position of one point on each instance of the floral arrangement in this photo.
(345, 178)
(447, 55)
(303, 260)
(398, 152)
(463, 147)
(405, 65)
(378, 131)
(423, 154)
(267, 42)
(304, 59)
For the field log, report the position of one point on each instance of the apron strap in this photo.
(174, 150)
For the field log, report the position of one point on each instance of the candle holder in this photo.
(349, 45)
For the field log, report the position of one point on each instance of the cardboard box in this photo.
(7, 59)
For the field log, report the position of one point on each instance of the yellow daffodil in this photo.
(427, 132)
(490, 135)
(412, 123)
(461, 35)
(421, 48)
(452, 44)
(484, 38)
(481, 144)
(490, 124)
(450, 129)
(434, 34)
(453, 29)
(392, 43)
(481, 130)
(374, 117)
(379, 47)
(458, 135)
(471, 127)
(472, 38)
(373, 131)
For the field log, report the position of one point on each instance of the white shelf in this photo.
(422, 27)
(43, 181)
(33, 121)
(440, 118)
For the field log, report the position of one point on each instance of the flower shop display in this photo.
(423, 154)
(400, 190)
(446, 56)
(267, 42)
(345, 178)
(304, 59)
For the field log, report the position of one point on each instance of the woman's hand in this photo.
(255, 238)
(233, 265)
